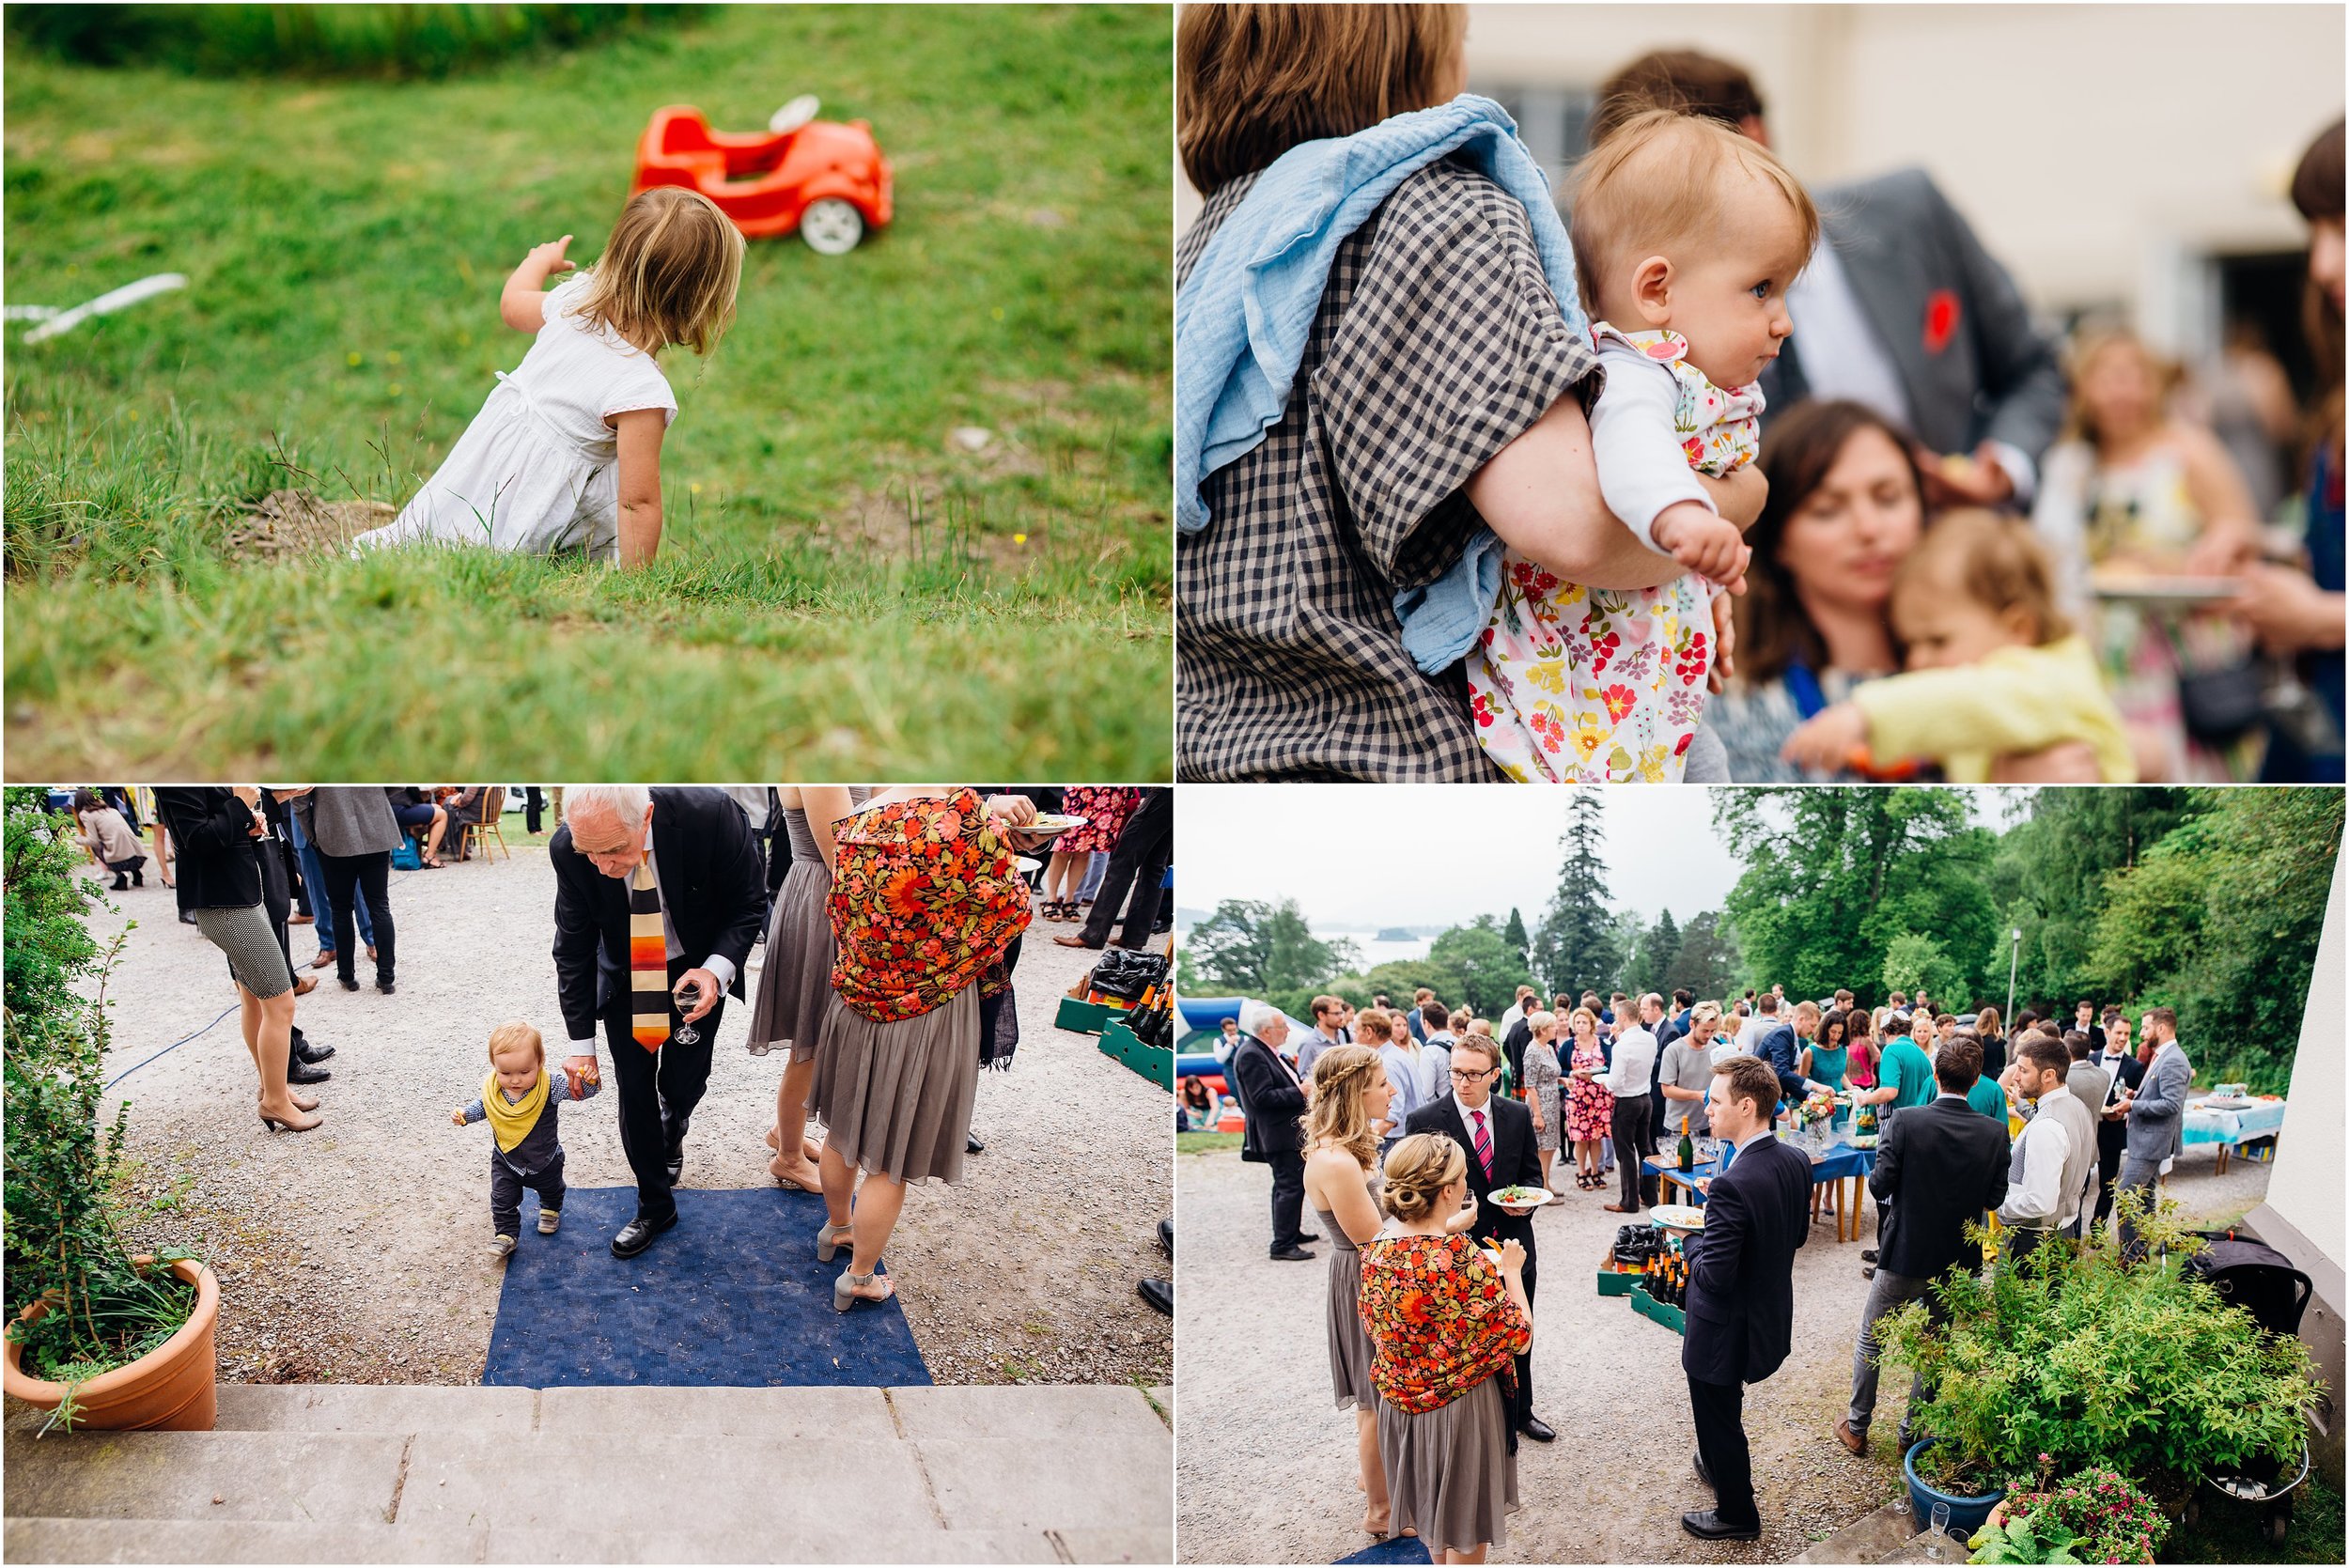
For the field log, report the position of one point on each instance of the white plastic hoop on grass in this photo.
(55, 321)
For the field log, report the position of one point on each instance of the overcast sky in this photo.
(1443, 854)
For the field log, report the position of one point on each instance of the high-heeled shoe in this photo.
(830, 1240)
(845, 1290)
(275, 1126)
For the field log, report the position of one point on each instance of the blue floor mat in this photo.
(1403, 1548)
(731, 1295)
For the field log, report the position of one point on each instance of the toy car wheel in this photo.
(832, 226)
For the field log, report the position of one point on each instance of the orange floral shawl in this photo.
(1440, 1318)
(925, 899)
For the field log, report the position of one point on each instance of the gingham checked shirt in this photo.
(1438, 343)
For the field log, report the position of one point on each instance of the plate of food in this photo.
(1863, 1140)
(1028, 864)
(2162, 588)
(1521, 1197)
(1050, 822)
(1682, 1217)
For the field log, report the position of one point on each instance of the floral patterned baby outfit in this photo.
(1576, 685)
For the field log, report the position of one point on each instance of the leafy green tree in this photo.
(2048, 871)
(1254, 949)
(1707, 960)
(1913, 962)
(1489, 969)
(1576, 945)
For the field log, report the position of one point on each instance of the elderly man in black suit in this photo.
(1499, 1138)
(1939, 1168)
(1273, 1097)
(690, 856)
(1741, 1289)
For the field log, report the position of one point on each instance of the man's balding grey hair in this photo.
(624, 804)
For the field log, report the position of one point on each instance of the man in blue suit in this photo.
(1781, 1043)
(1741, 1289)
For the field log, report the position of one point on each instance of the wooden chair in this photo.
(490, 828)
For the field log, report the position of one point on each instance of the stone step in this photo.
(230, 1541)
(359, 1473)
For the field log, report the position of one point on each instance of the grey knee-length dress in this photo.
(895, 1097)
(1349, 1341)
(1450, 1471)
(795, 976)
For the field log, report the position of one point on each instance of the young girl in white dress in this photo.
(566, 452)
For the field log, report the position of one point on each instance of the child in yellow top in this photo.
(519, 1100)
(1993, 669)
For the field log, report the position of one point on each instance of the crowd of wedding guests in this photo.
(1948, 571)
(1399, 1125)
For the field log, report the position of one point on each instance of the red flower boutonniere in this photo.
(1941, 319)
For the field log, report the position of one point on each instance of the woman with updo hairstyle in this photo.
(1447, 1319)
(1341, 1127)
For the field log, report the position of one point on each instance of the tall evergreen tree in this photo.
(1513, 932)
(1575, 948)
(1707, 960)
(1659, 944)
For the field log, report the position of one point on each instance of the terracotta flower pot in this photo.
(170, 1389)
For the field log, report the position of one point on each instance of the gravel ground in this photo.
(353, 1253)
(1264, 1470)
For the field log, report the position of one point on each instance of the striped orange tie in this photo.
(647, 961)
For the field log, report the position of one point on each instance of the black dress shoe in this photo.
(1294, 1254)
(1704, 1475)
(1868, 1256)
(971, 1144)
(1159, 1294)
(1166, 1237)
(299, 1071)
(637, 1234)
(1538, 1428)
(384, 986)
(186, 918)
(1709, 1526)
(1306, 1238)
(350, 985)
(309, 1052)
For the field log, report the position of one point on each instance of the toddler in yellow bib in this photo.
(518, 1100)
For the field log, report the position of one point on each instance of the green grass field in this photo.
(843, 592)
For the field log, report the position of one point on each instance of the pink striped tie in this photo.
(1484, 1145)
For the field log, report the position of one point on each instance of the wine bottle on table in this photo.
(1688, 1149)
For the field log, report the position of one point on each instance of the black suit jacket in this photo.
(712, 884)
(1741, 1266)
(1939, 1166)
(211, 838)
(1521, 1034)
(1271, 1099)
(1516, 1161)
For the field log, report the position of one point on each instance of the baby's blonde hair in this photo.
(511, 1035)
(1418, 1170)
(670, 273)
(1653, 183)
(1993, 560)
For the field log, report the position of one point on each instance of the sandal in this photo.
(830, 1240)
(845, 1290)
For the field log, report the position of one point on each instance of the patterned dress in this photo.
(1576, 685)
(1590, 1109)
(1105, 808)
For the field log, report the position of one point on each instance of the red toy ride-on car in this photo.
(825, 178)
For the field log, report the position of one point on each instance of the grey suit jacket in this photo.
(2090, 1086)
(349, 819)
(2158, 1118)
(1993, 376)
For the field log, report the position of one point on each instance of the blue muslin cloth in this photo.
(1242, 318)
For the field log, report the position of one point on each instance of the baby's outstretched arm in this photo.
(522, 304)
(466, 1114)
(640, 432)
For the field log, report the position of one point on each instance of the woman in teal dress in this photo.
(1825, 1058)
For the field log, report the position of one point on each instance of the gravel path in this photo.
(1265, 1467)
(353, 1253)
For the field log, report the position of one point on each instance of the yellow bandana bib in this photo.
(512, 1123)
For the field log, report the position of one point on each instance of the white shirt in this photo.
(1516, 1011)
(1842, 357)
(1641, 466)
(2046, 1146)
(717, 963)
(1468, 1119)
(1634, 1066)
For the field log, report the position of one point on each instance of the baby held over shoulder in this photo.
(1687, 237)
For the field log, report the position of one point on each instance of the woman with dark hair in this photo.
(1847, 505)
(1418, 393)
(1828, 1058)
(2293, 612)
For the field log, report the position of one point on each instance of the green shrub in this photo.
(316, 41)
(59, 1236)
(2064, 1362)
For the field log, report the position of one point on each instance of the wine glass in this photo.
(689, 999)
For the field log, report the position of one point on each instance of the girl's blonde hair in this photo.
(2092, 344)
(1419, 1169)
(1994, 560)
(514, 1034)
(1650, 186)
(1341, 1073)
(670, 273)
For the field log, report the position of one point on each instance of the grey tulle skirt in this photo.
(795, 977)
(1450, 1471)
(895, 1098)
(1349, 1341)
